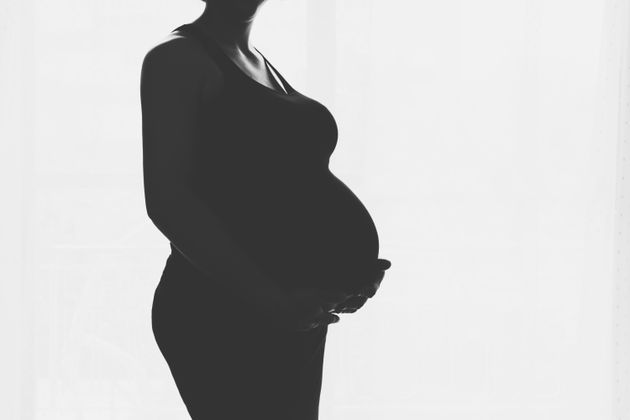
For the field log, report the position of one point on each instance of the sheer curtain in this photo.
(489, 140)
(615, 128)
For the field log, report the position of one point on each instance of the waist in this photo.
(186, 293)
(181, 274)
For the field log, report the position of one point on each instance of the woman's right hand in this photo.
(308, 308)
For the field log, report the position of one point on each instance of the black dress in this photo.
(262, 167)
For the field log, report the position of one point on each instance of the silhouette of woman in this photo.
(267, 245)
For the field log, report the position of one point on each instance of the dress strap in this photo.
(284, 84)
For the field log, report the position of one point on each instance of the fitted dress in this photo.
(261, 166)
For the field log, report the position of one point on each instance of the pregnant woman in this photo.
(267, 245)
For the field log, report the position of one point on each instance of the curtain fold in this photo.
(618, 80)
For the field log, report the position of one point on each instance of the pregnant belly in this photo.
(321, 236)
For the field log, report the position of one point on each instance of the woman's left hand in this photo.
(356, 301)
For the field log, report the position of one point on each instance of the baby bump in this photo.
(304, 231)
(321, 237)
(341, 236)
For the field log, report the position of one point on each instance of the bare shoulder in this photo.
(179, 61)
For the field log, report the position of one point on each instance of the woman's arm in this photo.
(173, 76)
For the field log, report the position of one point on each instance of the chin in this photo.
(248, 6)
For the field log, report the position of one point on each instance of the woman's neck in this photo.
(228, 24)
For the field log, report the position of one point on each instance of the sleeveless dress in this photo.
(261, 166)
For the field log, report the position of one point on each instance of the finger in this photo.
(350, 310)
(376, 274)
(374, 277)
(333, 319)
(347, 310)
(368, 292)
(354, 301)
(359, 301)
(332, 296)
(352, 305)
(326, 318)
(341, 308)
(372, 286)
(329, 307)
(383, 263)
(379, 275)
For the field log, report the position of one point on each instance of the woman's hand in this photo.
(374, 283)
(305, 309)
(355, 302)
(352, 304)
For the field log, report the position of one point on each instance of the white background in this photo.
(488, 139)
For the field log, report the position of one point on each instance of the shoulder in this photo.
(179, 61)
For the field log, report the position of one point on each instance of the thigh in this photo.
(234, 374)
(226, 366)
(224, 371)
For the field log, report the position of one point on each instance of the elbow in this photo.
(156, 200)
(154, 214)
(161, 219)
(155, 209)
(165, 205)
